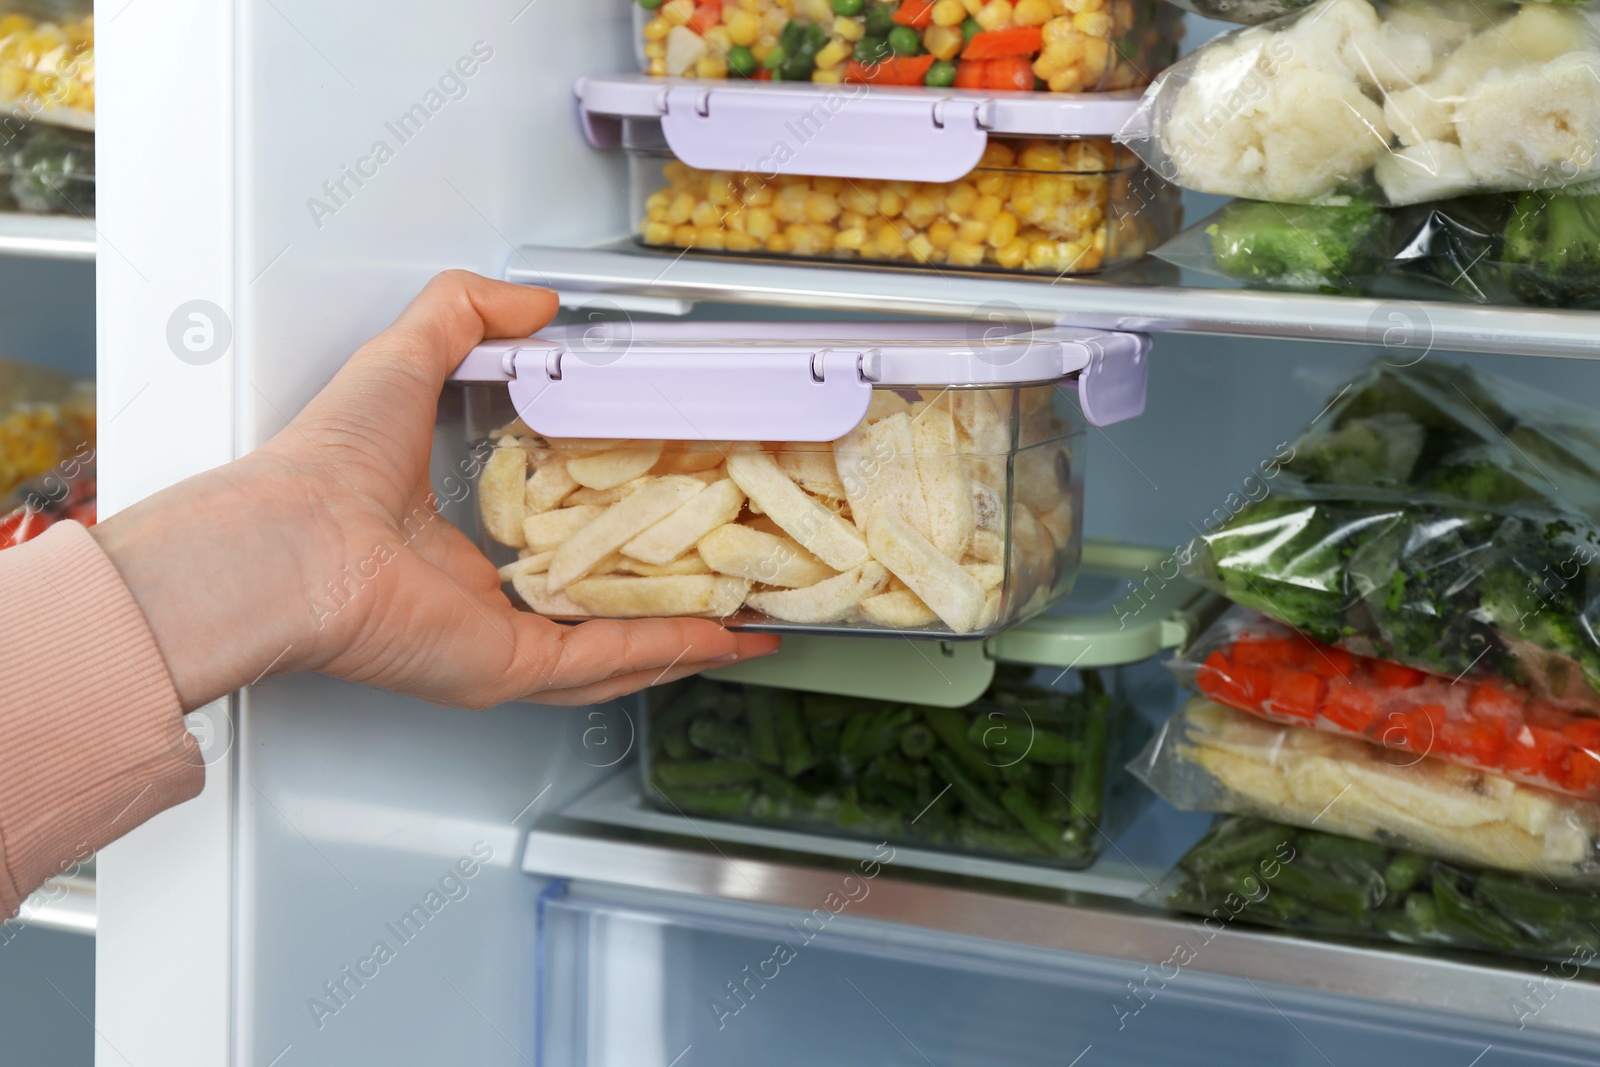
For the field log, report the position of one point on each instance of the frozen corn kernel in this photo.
(832, 54)
(949, 13)
(743, 27)
(719, 39)
(1051, 212)
(677, 12)
(995, 15)
(849, 29)
(657, 29)
(1031, 12)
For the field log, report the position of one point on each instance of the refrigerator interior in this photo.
(338, 819)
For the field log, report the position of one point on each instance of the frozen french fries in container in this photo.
(909, 478)
(961, 179)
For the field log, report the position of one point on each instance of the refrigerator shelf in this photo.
(1139, 860)
(1488, 990)
(1146, 297)
(66, 903)
(47, 236)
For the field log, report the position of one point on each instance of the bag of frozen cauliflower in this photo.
(1395, 102)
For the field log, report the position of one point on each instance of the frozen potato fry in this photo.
(619, 524)
(549, 529)
(607, 470)
(640, 598)
(1059, 522)
(689, 563)
(1043, 475)
(709, 455)
(953, 594)
(515, 428)
(892, 482)
(679, 532)
(761, 557)
(987, 547)
(604, 497)
(976, 414)
(898, 610)
(549, 486)
(814, 471)
(945, 489)
(986, 507)
(989, 575)
(830, 538)
(534, 589)
(827, 601)
(537, 563)
(991, 608)
(765, 525)
(500, 500)
(885, 402)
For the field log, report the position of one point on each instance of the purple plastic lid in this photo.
(786, 381)
(845, 131)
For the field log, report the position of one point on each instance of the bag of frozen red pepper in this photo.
(38, 504)
(1253, 664)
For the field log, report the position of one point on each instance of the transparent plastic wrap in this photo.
(966, 44)
(1396, 103)
(69, 492)
(1253, 664)
(1043, 205)
(1209, 757)
(47, 170)
(1254, 12)
(1435, 516)
(46, 419)
(953, 511)
(1320, 883)
(47, 61)
(1536, 247)
(1020, 774)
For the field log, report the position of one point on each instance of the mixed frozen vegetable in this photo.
(1438, 517)
(1210, 757)
(1062, 46)
(1051, 206)
(944, 511)
(1258, 666)
(1401, 101)
(45, 420)
(1275, 875)
(1020, 774)
(44, 501)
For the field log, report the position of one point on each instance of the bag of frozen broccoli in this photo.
(1537, 247)
(1435, 516)
(1394, 101)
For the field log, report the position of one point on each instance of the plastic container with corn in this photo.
(1045, 205)
(1063, 46)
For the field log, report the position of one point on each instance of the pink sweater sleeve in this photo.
(92, 741)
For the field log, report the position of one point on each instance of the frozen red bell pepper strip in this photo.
(1489, 725)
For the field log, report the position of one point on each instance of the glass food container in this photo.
(1045, 45)
(921, 479)
(1020, 774)
(884, 176)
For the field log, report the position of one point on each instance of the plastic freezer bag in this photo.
(1315, 882)
(1400, 103)
(1435, 516)
(1023, 773)
(966, 44)
(1252, 12)
(1253, 664)
(1538, 247)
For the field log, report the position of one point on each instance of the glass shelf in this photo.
(1151, 297)
(47, 237)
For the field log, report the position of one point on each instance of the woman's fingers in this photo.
(612, 688)
(603, 650)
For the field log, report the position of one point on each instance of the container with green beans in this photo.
(1020, 774)
(1255, 871)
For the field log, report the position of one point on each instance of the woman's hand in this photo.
(322, 549)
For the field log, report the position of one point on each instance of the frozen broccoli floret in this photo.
(1552, 246)
(53, 171)
(1284, 557)
(1374, 450)
(1300, 246)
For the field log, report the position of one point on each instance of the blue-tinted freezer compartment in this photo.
(632, 979)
